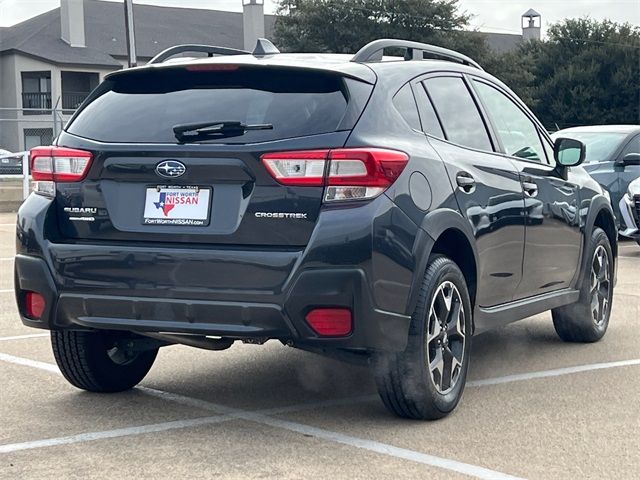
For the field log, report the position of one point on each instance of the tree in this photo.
(587, 72)
(341, 26)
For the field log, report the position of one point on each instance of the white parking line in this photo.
(120, 432)
(257, 417)
(552, 373)
(370, 445)
(383, 448)
(49, 367)
(7, 290)
(228, 413)
(7, 259)
(7, 224)
(22, 337)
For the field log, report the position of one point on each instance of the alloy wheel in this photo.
(600, 286)
(446, 337)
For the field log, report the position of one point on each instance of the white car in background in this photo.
(10, 163)
(630, 211)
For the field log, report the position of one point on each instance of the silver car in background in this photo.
(10, 163)
(630, 211)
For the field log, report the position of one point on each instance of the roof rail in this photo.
(372, 52)
(210, 50)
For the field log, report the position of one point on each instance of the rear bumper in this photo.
(374, 329)
(223, 291)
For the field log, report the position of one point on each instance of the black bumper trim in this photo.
(228, 319)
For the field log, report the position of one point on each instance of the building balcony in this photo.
(34, 101)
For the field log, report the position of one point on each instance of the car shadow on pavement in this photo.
(273, 376)
(276, 376)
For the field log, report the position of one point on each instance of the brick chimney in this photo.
(252, 22)
(72, 22)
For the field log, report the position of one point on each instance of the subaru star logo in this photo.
(170, 169)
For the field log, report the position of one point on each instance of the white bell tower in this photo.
(531, 25)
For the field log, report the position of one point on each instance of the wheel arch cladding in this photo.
(604, 219)
(455, 245)
(444, 232)
(601, 216)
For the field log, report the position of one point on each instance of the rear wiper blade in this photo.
(192, 131)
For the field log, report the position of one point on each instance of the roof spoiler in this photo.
(263, 47)
(373, 51)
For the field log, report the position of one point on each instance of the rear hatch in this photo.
(176, 153)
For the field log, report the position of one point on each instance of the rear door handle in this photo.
(465, 181)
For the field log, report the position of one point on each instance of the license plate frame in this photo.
(154, 212)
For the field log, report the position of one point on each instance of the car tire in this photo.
(407, 382)
(587, 319)
(93, 361)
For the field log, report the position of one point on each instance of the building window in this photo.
(76, 86)
(34, 137)
(36, 92)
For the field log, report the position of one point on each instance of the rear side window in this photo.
(458, 112)
(430, 122)
(406, 105)
(143, 107)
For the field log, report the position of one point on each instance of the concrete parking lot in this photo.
(534, 407)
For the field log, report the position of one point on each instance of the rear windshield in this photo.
(144, 106)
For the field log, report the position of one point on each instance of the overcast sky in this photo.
(489, 15)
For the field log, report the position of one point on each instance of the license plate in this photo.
(173, 205)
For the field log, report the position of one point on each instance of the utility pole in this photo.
(131, 34)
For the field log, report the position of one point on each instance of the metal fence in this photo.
(38, 124)
(22, 129)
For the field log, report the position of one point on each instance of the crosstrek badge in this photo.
(176, 206)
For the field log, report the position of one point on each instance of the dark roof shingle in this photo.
(156, 28)
(502, 42)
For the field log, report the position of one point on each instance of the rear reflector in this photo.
(59, 164)
(34, 305)
(347, 173)
(330, 322)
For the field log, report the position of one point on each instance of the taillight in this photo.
(303, 168)
(347, 173)
(356, 173)
(58, 164)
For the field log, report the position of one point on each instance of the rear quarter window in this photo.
(405, 104)
(430, 122)
(144, 106)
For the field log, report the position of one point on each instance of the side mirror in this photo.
(631, 159)
(568, 152)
